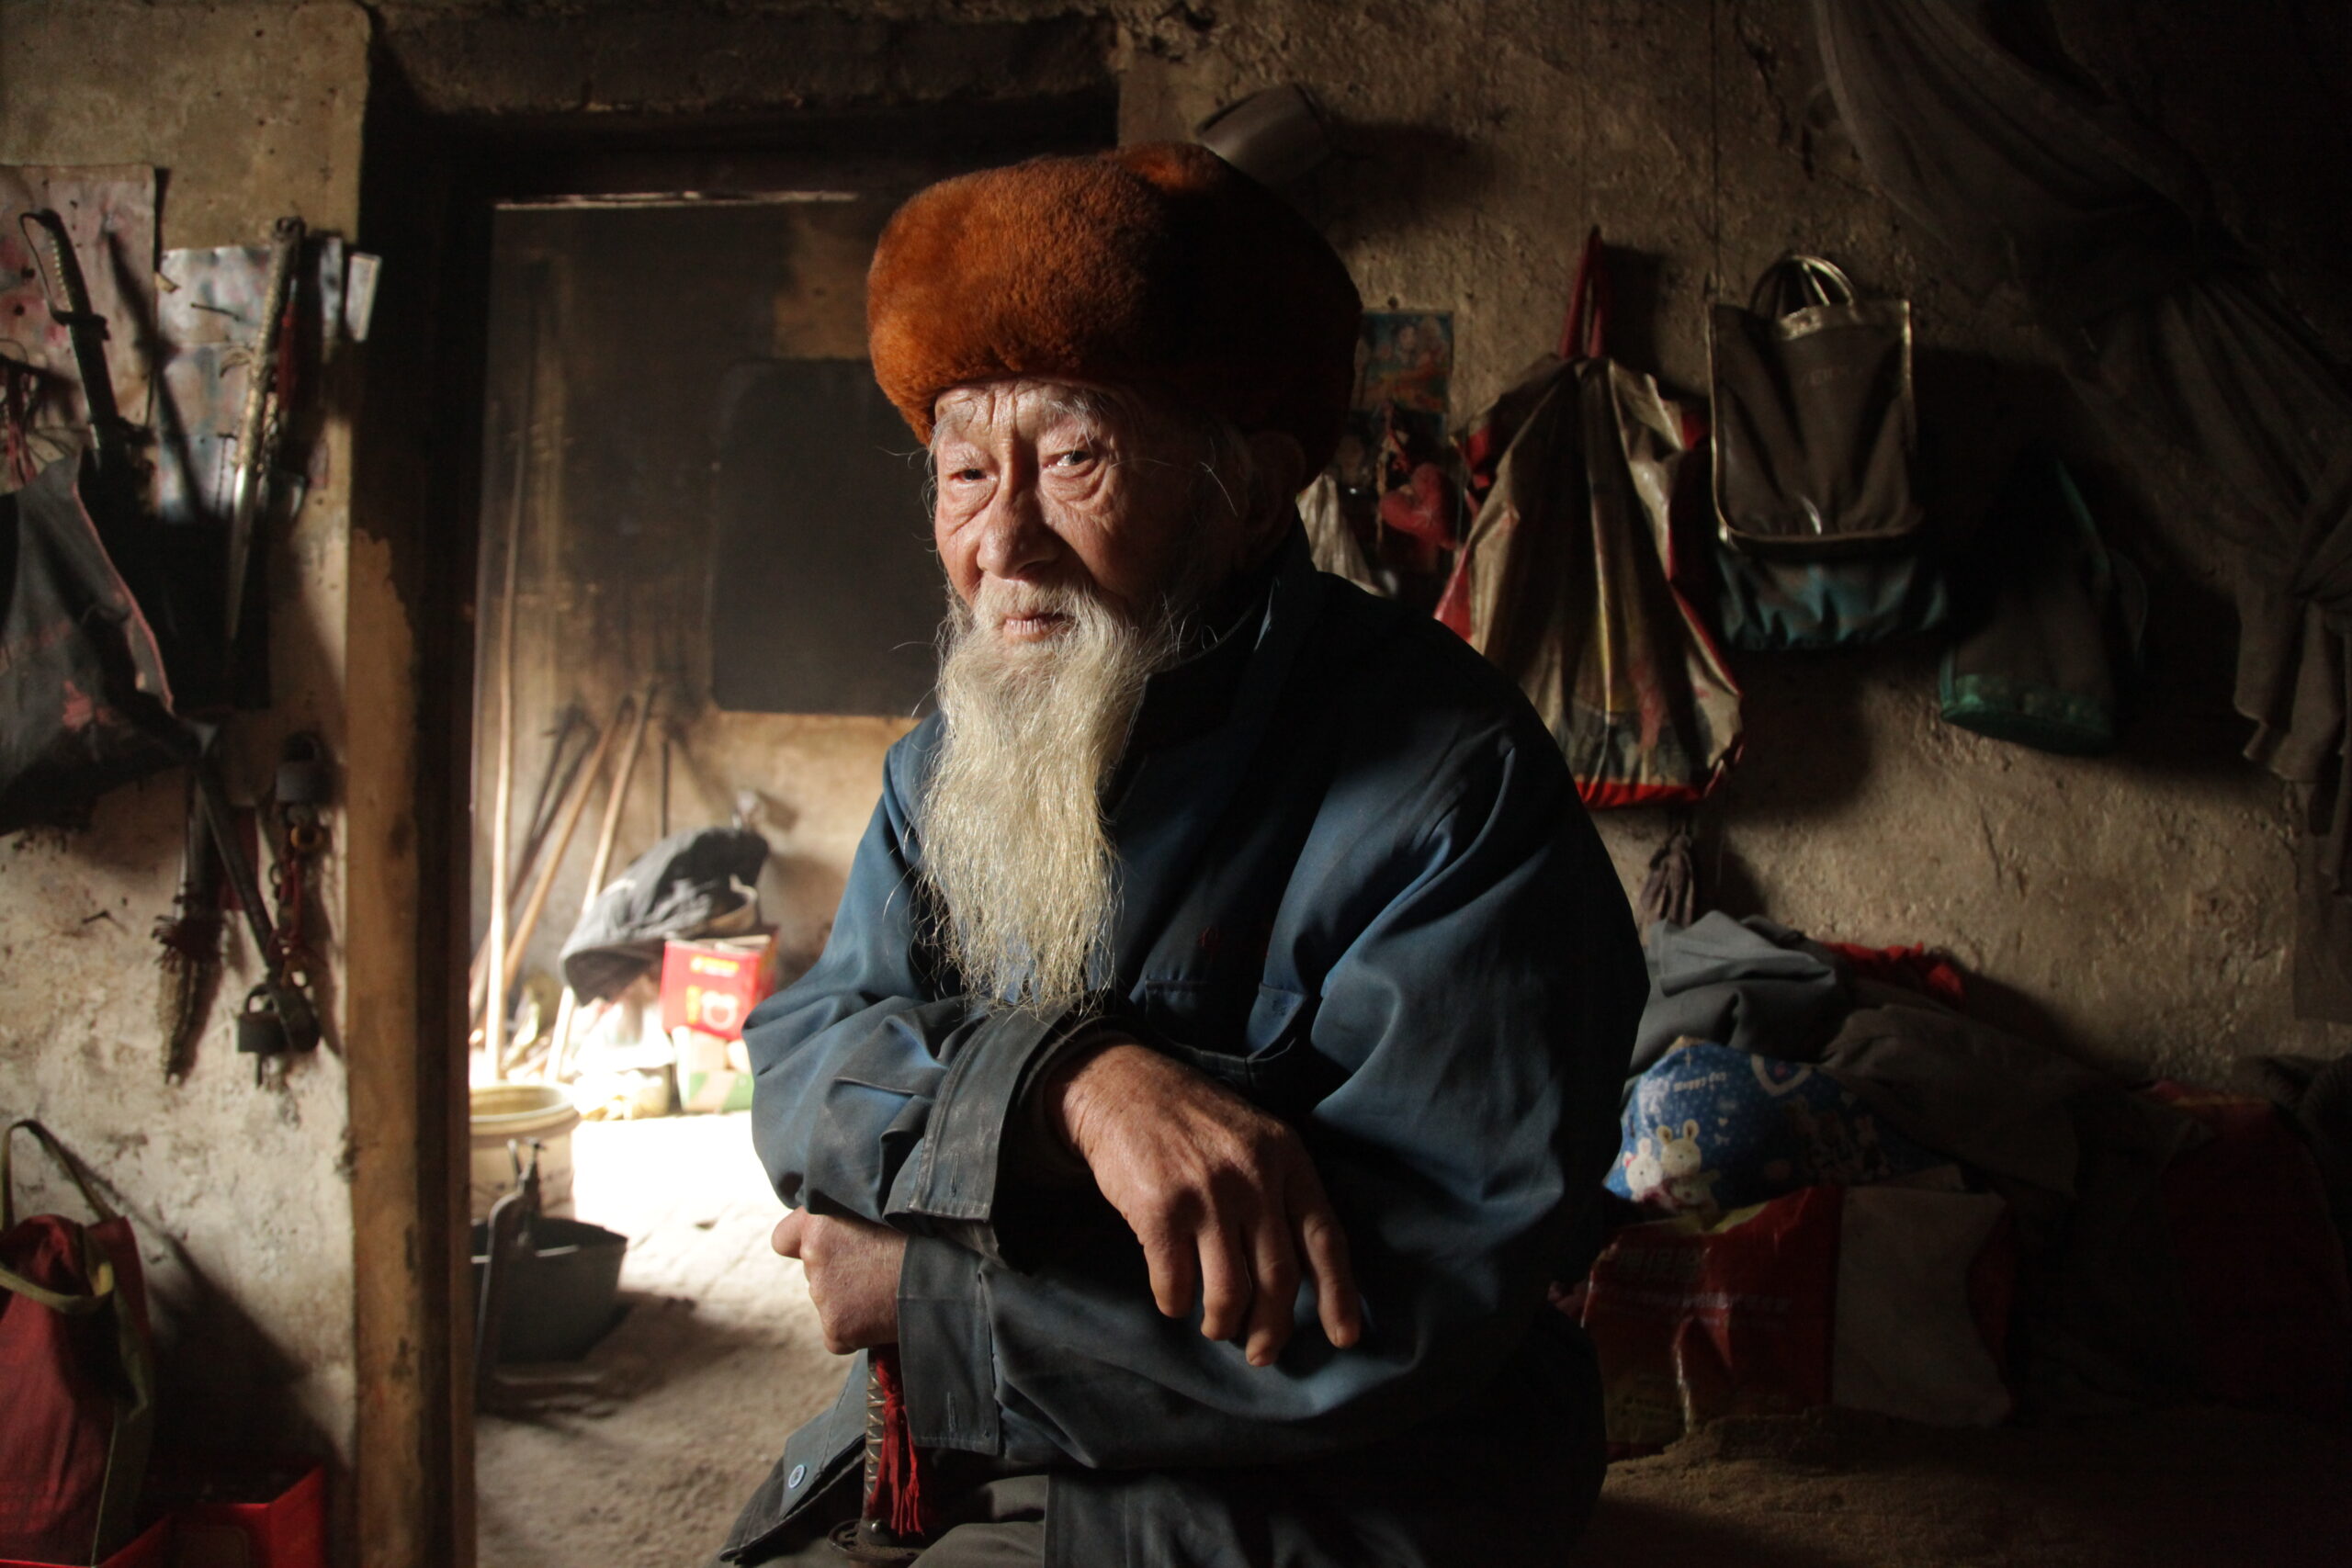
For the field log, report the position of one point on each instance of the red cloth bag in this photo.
(2261, 1270)
(77, 1374)
(1567, 580)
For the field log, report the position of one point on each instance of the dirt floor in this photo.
(2198, 1488)
(642, 1454)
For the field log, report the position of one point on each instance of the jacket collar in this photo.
(1188, 700)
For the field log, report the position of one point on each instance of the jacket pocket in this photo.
(1275, 1067)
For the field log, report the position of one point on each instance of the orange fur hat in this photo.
(1160, 267)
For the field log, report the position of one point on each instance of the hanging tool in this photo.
(278, 1017)
(502, 807)
(62, 280)
(579, 781)
(301, 791)
(190, 936)
(521, 925)
(609, 829)
(262, 422)
(555, 783)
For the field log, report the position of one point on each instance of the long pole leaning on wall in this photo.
(527, 923)
(494, 1022)
(609, 829)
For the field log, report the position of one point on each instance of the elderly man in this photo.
(1216, 1052)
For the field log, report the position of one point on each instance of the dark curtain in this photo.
(1972, 120)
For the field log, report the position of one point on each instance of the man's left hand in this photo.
(853, 1267)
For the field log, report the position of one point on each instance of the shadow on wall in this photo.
(1809, 748)
(1385, 176)
(1637, 305)
(2181, 721)
(213, 1358)
(225, 1385)
(799, 894)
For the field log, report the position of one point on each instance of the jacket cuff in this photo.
(979, 1102)
(947, 1350)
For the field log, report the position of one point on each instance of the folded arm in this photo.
(1477, 1022)
(880, 1091)
(1480, 1017)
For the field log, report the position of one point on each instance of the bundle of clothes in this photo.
(1837, 1185)
(696, 885)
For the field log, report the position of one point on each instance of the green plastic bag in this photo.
(2047, 666)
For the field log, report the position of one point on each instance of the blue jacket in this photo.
(1359, 889)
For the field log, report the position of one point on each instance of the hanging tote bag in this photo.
(2048, 666)
(1566, 578)
(1816, 434)
(77, 1365)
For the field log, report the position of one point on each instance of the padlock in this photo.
(260, 1031)
(302, 771)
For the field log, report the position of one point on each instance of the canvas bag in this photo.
(77, 1365)
(82, 674)
(1815, 434)
(1566, 580)
(1885, 1298)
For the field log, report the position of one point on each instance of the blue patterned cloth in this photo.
(1711, 1128)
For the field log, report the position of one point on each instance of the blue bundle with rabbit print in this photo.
(1711, 1128)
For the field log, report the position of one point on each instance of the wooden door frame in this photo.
(430, 184)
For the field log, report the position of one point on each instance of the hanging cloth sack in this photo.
(82, 679)
(87, 585)
(2065, 617)
(1566, 579)
(1814, 436)
(78, 1364)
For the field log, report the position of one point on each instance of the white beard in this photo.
(1013, 840)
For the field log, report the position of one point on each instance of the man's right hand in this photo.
(1222, 1196)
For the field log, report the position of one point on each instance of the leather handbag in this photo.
(77, 1365)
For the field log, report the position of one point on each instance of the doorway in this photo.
(704, 607)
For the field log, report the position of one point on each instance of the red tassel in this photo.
(897, 1500)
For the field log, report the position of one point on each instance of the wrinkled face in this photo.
(1043, 486)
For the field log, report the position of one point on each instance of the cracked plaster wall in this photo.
(241, 1197)
(2136, 906)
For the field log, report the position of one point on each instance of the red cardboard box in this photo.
(288, 1529)
(713, 986)
(146, 1550)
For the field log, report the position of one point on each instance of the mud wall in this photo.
(241, 1196)
(2137, 907)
